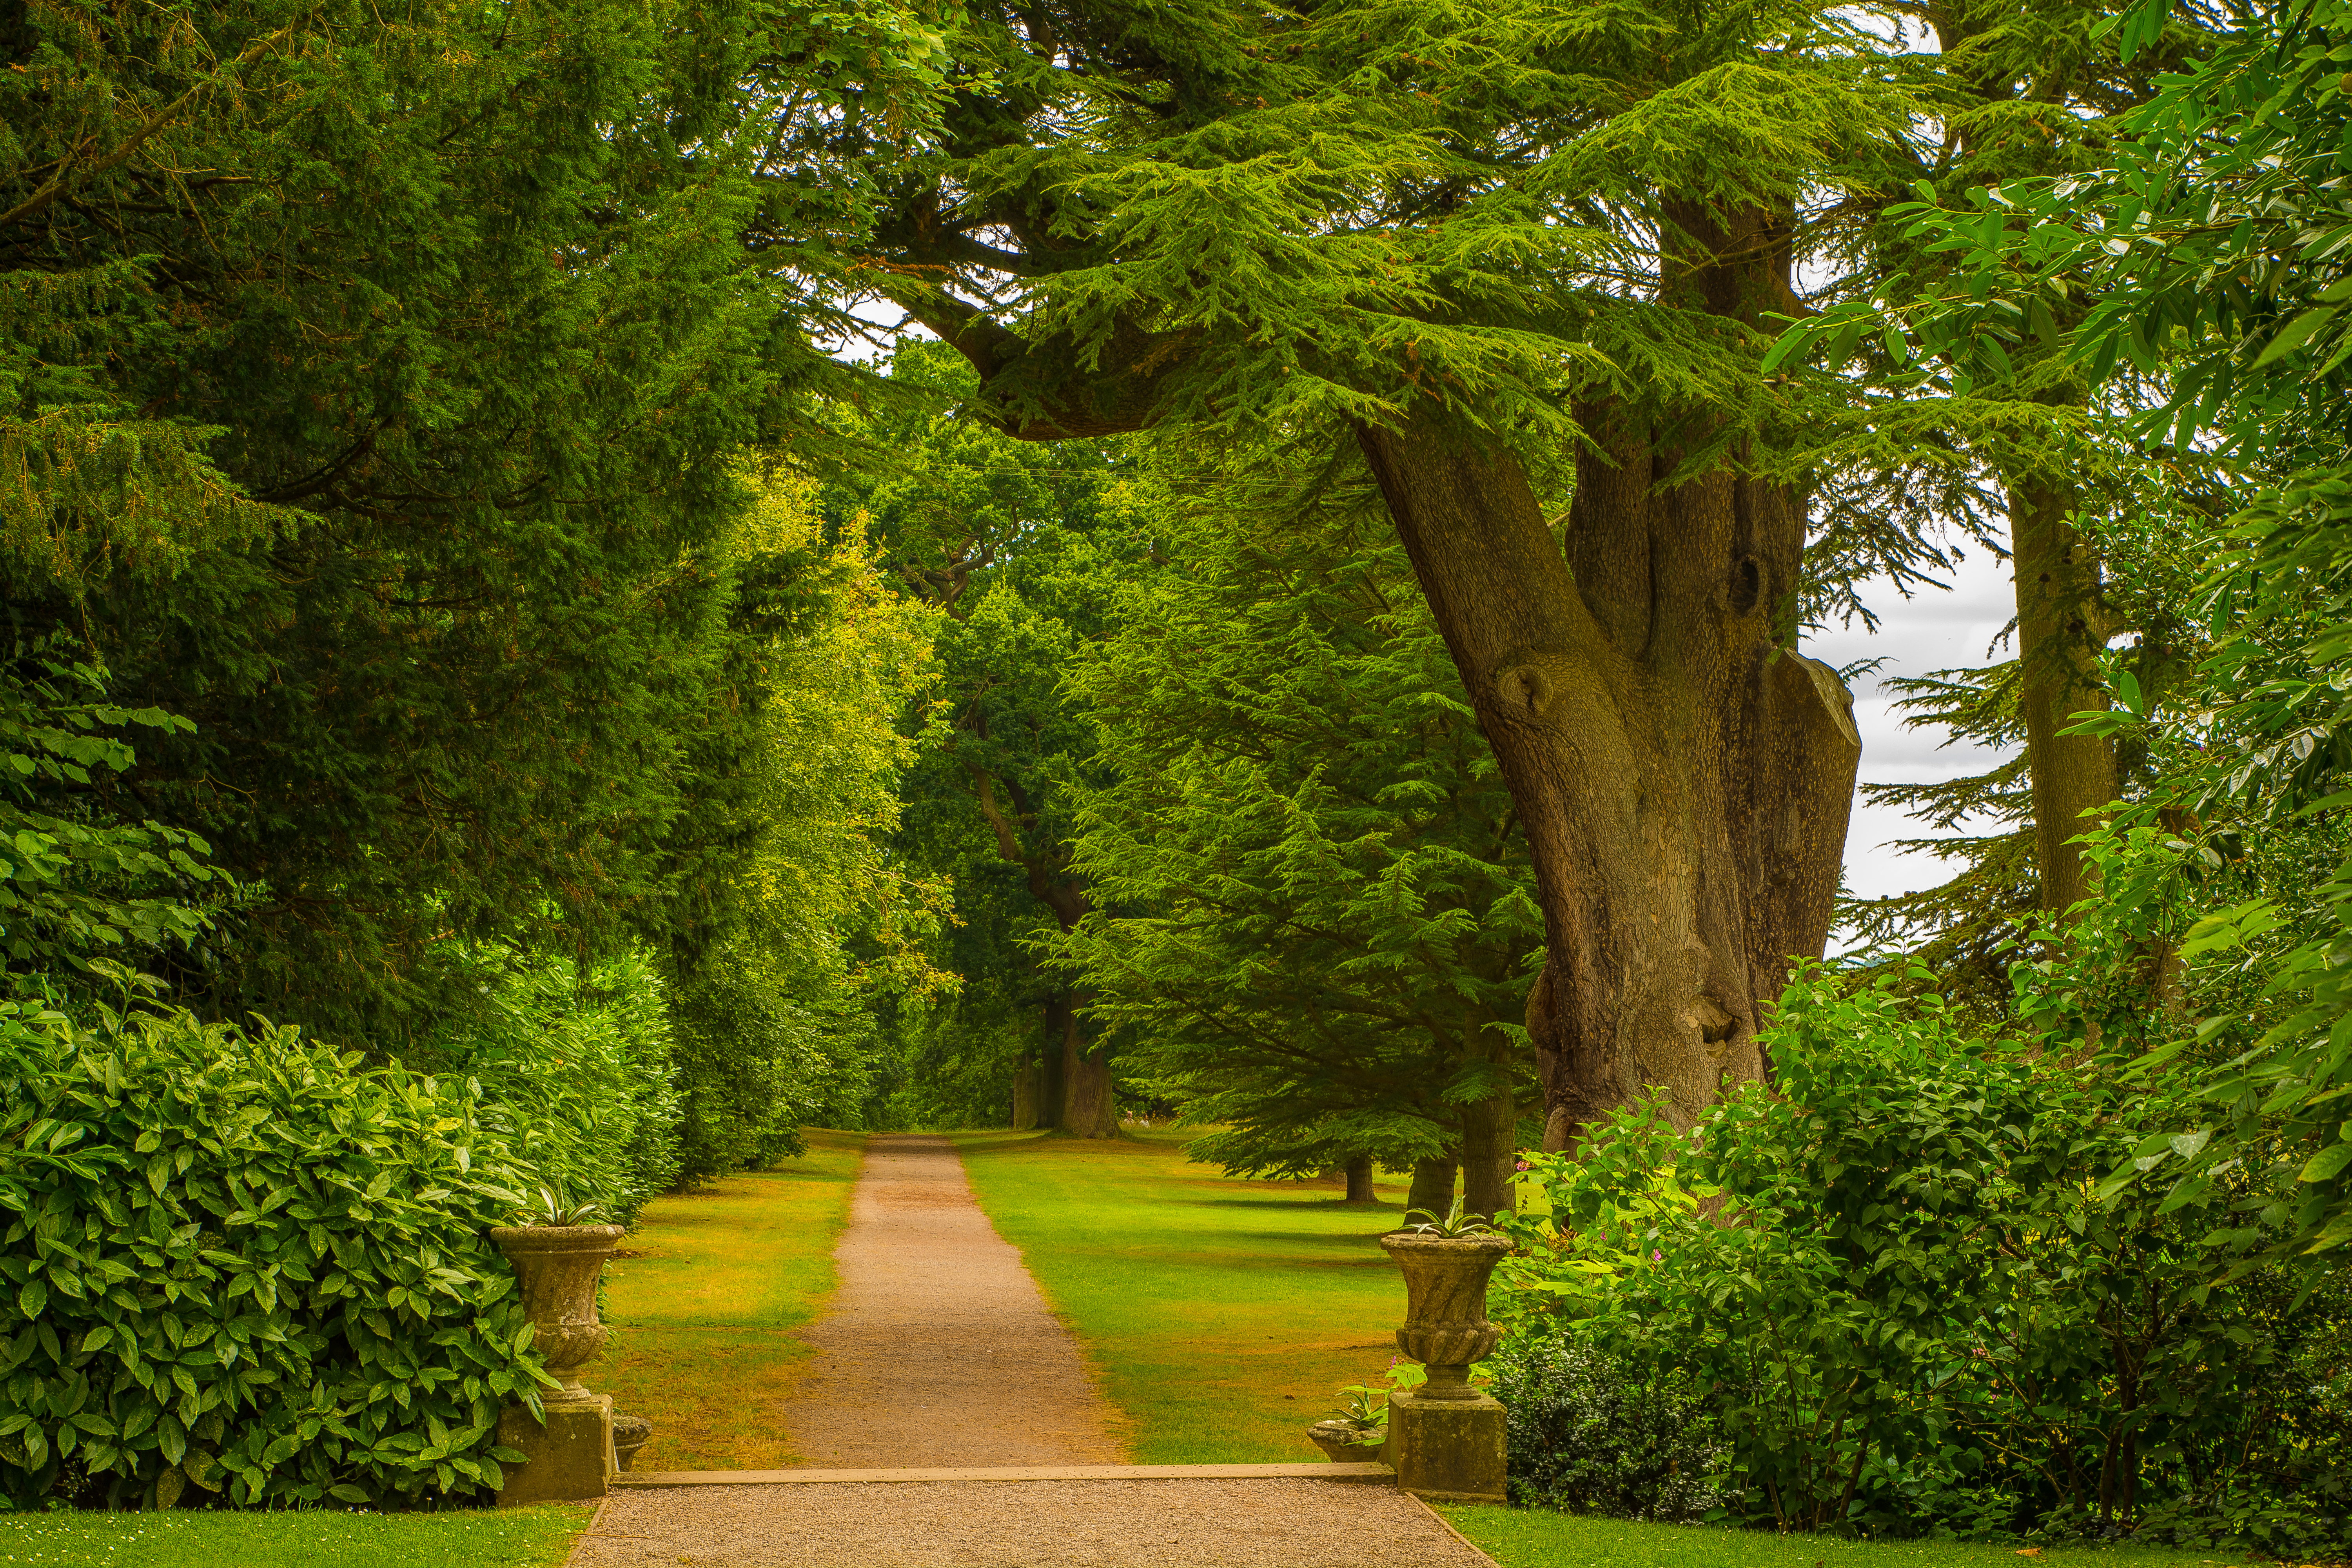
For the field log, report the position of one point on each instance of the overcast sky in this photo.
(1930, 631)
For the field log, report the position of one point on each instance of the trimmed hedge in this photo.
(235, 1261)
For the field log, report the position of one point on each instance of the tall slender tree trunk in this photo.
(1489, 1137)
(2060, 630)
(1028, 1094)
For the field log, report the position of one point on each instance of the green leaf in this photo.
(2295, 333)
(2324, 1165)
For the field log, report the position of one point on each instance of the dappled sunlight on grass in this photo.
(1223, 1316)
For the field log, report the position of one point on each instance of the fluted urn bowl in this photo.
(559, 1264)
(1446, 1327)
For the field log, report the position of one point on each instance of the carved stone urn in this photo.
(630, 1432)
(559, 1265)
(1446, 1327)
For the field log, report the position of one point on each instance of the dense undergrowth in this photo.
(1903, 1293)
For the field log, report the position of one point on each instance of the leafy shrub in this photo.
(1917, 1311)
(233, 1260)
(1588, 1434)
(752, 1068)
(573, 1066)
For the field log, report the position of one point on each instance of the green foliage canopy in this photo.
(1314, 923)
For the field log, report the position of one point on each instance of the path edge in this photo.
(1360, 1475)
(1447, 1525)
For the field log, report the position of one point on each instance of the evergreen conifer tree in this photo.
(369, 394)
(1317, 921)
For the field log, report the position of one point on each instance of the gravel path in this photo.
(1023, 1524)
(938, 1351)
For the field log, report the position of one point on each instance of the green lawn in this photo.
(1223, 1315)
(473, 1538)
(1523, 1538)
(704, 1297)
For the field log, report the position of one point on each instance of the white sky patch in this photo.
(1930, 631)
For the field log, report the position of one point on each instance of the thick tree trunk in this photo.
(1684, 782)
(1086, 1108)
(1028, 1086)
(1359, 1181)
(1433, 1187)
(2060, 634)
(1684, 778)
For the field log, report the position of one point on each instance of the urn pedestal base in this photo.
(1447, 1450)
(566, 1459)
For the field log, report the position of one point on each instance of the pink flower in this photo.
(1525, 1167)
(1657, 1257)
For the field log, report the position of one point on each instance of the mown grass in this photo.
(319, 1537)
(703, 1302)
(1526, 1538)
(1223, 1316)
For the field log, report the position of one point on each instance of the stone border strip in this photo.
(1376, 1474)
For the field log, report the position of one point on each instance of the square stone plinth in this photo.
(565, 1458)
(1447, 1450)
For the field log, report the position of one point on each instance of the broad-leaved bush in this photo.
(574, 1065)
(235, 1261)
(1920, 1304)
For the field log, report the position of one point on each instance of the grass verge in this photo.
(704, 1297)
(1223, 1315)
(1537, 1538)
(317, 1538)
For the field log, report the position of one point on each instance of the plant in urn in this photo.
(558, 1261)
(1446, 1263)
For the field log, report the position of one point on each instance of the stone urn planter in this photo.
(1446, 1327)
(559, 1265)
(630, 1432)
(1342, 1441)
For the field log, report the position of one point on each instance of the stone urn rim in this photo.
(554, 1237)
(1468, 1246)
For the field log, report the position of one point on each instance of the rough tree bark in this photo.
(1684, 780)
(2061, 630)
(1683, 777)
(1433, 1187)
(1359, 1181)
(1078, 1091)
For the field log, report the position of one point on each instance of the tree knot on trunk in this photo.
(1530, 685)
